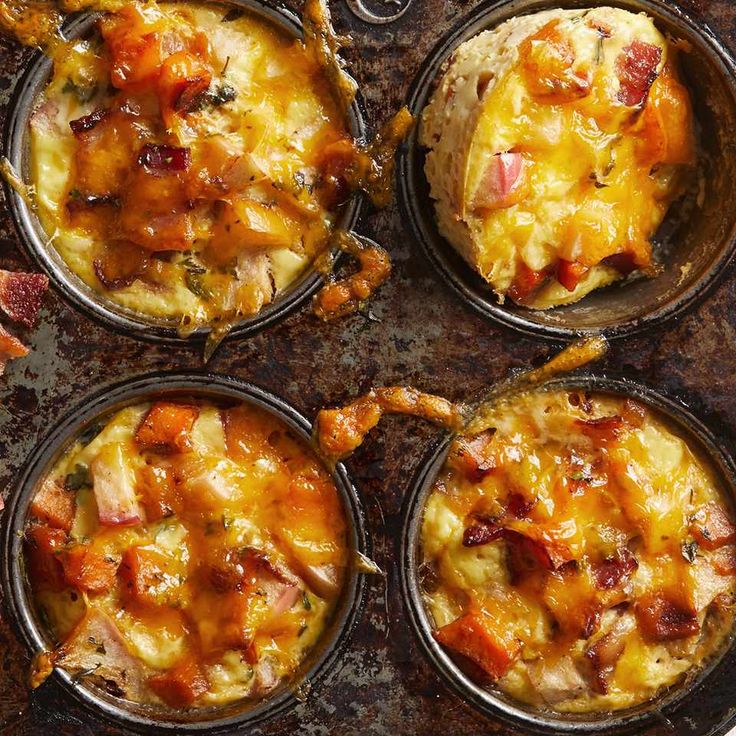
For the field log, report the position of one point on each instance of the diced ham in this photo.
(89, 569)
(54, 505)
(21, 294)
(501, 180)
(712, 528)
(180, 686)
(97, 647)
(478, 637)
(570, 273)
(167, 428)
(117, 504)
(613, 570)
(324, 580)
(10, 348)
(666, 618)
(636, 68)
(473, 456)
(603, 655)
(44, 546)
(556, 682)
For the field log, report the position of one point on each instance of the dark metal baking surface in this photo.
(416, 331)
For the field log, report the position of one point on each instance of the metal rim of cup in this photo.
(493, 702)
(18, 597)
(418, 207)
(90, 301)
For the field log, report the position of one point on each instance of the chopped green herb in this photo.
(690, 551)
(196, 285)
(302, 630)
(227, 522)
(90, 433)
(83, 93)
(79, 478)
(306, 602)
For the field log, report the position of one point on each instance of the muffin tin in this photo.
(415, 331)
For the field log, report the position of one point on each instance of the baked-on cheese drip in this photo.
(189, 161)
(556, 144)
(186, 554)
(578, 554)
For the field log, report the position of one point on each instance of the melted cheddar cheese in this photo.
(187, 160)
(556, 145)
(578, 554)
(188, 554)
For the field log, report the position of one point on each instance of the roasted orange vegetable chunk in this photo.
(712, 528)
(157, 492)
(44, 548)
(181, 685)
(477, 637)
(167, 428)
(89, 569)
(54, 505)
(145, 574)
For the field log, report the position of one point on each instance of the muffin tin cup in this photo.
(704, 700)
(35, 241)
(18, 596)
(695, 244)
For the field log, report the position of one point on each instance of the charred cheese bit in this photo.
(580, 553)
(189, 554)
(556, 144)
(183, 165)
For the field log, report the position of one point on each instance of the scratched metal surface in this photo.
(419, 333)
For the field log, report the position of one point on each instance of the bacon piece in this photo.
(157, 159)
(603, 655)
(526, 283)
(502, 183)
(533, 548)
(117, 503)
(54, 505)
(10, 347)
(86, 202)
(613, 570)
(711, 527)
(519, 506)
(482, 532)
(479, 638)
(324, 580)
(570, 273)
(167, 428)
(624, 263)
(666, 618)
(83, 124)
(603, 429)
(89, 569)
(183, 79)
(472, 456)
(44, 546)
(180, 686)
(120, 264)
(20, 295)
(636, 68)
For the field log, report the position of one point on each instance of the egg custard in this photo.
(556, 144)
(186, 554)
(187, 160)
(578, 555)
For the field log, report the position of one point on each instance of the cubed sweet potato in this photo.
(148, 576)
(44, 547)
(167, 428)
(89, 569)
(54, 505)
(476, 636)
(712, 528)
(157, 491)
(180, 686)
